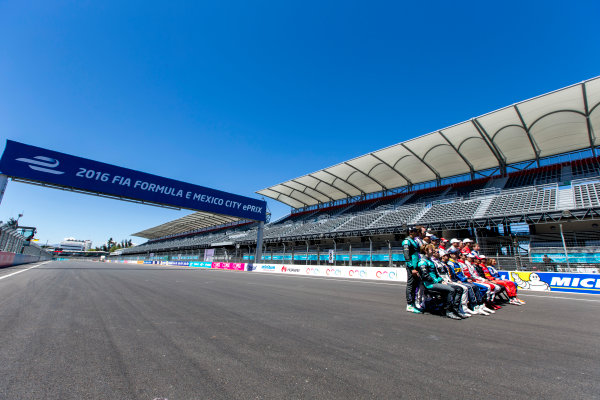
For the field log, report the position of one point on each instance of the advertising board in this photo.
(373, 273)
(230, 266)
(554, 281)
(200, 264)
(41, 165)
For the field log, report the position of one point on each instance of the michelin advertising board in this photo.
(554, 281)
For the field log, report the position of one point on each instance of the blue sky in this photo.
(239, 95)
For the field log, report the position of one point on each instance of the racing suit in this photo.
(432, 281)
(484, 288)
(477, 273)
(411, 256)
(442, 271)
(510, 287)
(457, 276)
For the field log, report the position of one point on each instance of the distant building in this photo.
(75, 244)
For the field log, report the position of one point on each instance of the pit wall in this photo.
(9, 259)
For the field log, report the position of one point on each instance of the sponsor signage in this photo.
(180, 263)
(230, 266)
(41, 165)
(201, 264)
(387, 274)
(554, 281)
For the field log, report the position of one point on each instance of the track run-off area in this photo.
(88, 330)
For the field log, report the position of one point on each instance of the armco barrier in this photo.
(554, 281)
(380, 274)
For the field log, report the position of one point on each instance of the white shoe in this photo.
(515, 302)
(467, 310)
(481, 311)
(487, 310)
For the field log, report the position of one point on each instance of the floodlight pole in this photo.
(3, 183)
(259, 243)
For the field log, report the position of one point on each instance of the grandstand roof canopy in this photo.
(196, 221)
(554, 123)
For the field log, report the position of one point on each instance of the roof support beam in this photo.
(345, 181)
(587, 120)
(330, 184)
(383, 187)
(460, 155)
(490, 143)
(534, 145)
(312, 188)
(409, 182)
(289, 195)
(437, 175)
(308, 195)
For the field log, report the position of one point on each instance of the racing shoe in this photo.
(451, 315)
(463, 315)
(488, 310)
(413, 309)
(468, 311)
(480, 310)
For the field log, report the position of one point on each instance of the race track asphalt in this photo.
(84, 330)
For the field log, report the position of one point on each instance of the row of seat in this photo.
(503, 204)
(587, 195)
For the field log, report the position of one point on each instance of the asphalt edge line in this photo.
(22, 270)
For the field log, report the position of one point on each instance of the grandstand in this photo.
(500, 178)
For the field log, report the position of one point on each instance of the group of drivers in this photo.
(468, 282)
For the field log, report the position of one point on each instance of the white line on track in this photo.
(22, 270)
(559, 297)
(328, 278)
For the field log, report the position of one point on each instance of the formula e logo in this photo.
(42, 164)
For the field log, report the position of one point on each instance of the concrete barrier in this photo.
(9, 259)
